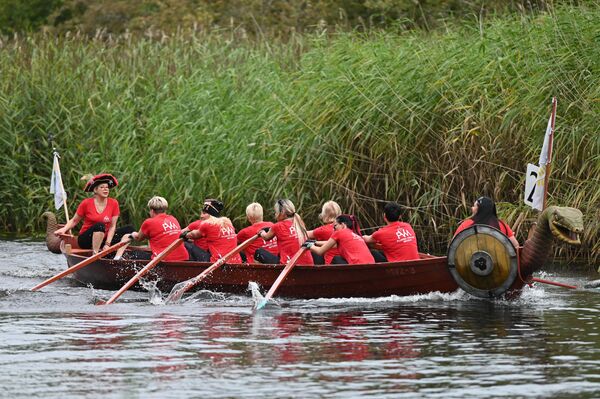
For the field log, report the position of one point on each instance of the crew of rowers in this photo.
(337, 241)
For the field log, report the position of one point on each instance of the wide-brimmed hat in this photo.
(100, 179)
(212, 207)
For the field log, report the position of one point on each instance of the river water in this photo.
(56, 343)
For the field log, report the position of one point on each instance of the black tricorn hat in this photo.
(99, 179)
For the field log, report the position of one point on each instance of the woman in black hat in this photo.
(99, 214)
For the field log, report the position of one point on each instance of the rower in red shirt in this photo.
(329, 212)
(483, 211)
(198, 248)
(254, 213)
(161, 230)
(397, 239)
(351, 246)
(218, 231)
(290, 233)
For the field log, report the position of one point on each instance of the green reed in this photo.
(432, 121)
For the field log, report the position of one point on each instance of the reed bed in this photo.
(432, 121)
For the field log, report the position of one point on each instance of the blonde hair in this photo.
(330, 211)
(158, 204)
(286, 208)
(254, 212)
(220, 221)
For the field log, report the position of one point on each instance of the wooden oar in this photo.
(142, 272)
(563, 285)
(81, 264)
(286, 270)
(181, 288)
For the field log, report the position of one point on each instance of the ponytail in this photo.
(300, 227)
(286, 208)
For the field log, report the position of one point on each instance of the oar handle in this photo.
(145, 270)
(80, 265)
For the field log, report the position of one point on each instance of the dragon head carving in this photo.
(566, 224)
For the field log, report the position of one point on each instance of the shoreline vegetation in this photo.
(430, 119)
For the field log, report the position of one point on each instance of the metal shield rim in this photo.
(512, 253)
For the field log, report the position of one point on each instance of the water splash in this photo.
(257, 297)
(254, 289)
(203, 295)
(155, 295)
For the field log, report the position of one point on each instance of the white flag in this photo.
(547, 147)
(56, 184)
(535, 180)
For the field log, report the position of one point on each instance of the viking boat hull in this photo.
(422, 276)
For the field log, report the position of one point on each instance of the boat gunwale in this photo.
(425, 258)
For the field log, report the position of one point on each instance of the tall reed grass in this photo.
(432, 121)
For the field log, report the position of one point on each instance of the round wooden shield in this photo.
(482, 261)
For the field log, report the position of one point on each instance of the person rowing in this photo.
(290, 232)
(347, 239)
(254, 214)
(198, 248)
(218, 230)
(397, 239)
(161, 230)
(483, 211)
(100, 214)
(329, 212)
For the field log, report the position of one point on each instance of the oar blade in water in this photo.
(261, 304)
(177, 292)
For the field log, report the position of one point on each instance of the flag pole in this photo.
(62, 192)
(548, 165)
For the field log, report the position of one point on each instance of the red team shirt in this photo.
(250, 231)
(469, 222)
(287, 240)
(220, 240)
(87, 210)
(398, 241)
(352, 247)
(324, 233)
(162, 230)
(199, 242)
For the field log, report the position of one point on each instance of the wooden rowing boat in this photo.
(481, 260)
(430, 273)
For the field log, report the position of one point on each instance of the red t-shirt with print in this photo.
(398, 240)
(162, 230)
(324, 233)
(352, 247)
(221, 239)
(87, 210)
(199, 242)
(250, 231)
(287, 240)
(504, 228)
